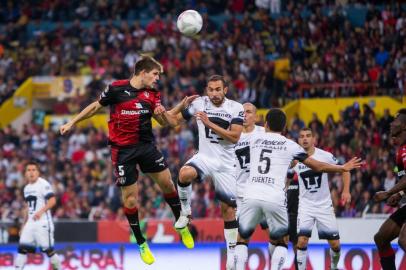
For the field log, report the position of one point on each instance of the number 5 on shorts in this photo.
(121, 170)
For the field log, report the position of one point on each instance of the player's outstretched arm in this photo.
(87, 112)
(319, 166)
(174, 116)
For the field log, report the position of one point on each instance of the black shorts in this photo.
(125, 160)
(292, 228)
(399, 217)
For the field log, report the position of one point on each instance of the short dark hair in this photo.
(215, 78)
(307, 129)
(31, 163)
(276, 120)
(147, 63)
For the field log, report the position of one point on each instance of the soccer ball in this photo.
(189, 22)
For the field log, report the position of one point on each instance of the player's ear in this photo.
(225, 90)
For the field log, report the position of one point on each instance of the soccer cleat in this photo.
(146, 254)
(187, 238)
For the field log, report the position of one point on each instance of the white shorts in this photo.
(253, 211)
(239, 200)
(224, 179)
(38, 234)
(324, 218)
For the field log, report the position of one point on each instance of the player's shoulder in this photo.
(43, 182)
(259, 128)
(232, 104)
(324, 153)
(119, 83)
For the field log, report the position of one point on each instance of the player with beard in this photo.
(219, 122)
(394, 226)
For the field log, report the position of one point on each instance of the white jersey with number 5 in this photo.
(242, 152)
(210, 144)
(270, 157)
(313, 186)
(36, 196)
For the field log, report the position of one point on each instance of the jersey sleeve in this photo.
(333, 160)
(238, 115)
(47, 191)
(195, 106)
(298, 153)
(106, 97)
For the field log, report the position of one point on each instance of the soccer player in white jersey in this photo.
(219, 122)
(242, 153)
(270, 157)
(38, 229)
(315, 205)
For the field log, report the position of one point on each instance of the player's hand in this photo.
(202, 116)
(187, 100)
(159, 110)
(380, 196)
(352, 164)
(345, 198)
(37, 215)
(394, 200)
(65, 128)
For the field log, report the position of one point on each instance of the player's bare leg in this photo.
(387, 232)
(301, 256)
(402, 237)
(335, 252)
(230, 232)
(129, 196)
(164, 180)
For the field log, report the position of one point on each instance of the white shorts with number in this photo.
(253, 211)
(224, 178)
(38, 234)
(323, 217)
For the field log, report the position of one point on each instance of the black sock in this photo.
(173, 200)
(132, 217)
(388, 259)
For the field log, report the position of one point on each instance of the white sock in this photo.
(301, 256)
(241, 253)
(271, 249)
(279, 257)
(335, 257)
(20, 261)
(185, 194)
(230, 236)
(56, 262)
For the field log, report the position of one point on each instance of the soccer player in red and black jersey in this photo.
(132, 104)
(394, 226)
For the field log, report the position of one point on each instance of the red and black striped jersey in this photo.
(131, 110)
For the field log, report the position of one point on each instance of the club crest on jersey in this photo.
(138, 105)
(146, 94)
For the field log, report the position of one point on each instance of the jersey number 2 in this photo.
(265, 161)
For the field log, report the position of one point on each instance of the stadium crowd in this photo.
(266, 60)
(79, 167)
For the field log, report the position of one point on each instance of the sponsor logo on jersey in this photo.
(121, 180)
(219, 114)
(138, 105)
(127, 92)
(126, 112)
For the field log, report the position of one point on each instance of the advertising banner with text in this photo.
(202, 257)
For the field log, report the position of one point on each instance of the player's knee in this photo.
(402, 243)
(335, 246)
(302, 242)
(130, 201)
(49, 251)
(378, 239)
(186, 175)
